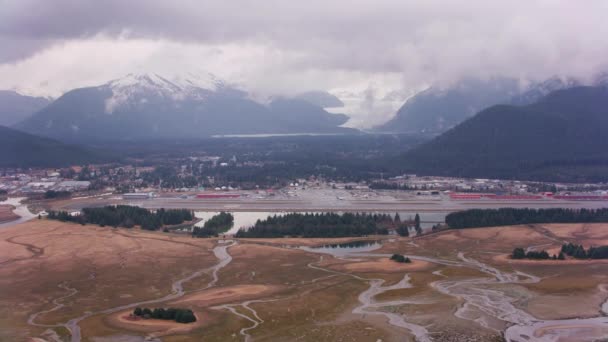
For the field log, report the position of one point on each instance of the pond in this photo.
(242, 219)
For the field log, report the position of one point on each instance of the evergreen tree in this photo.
(518, 253)
(403, 230)
(580, 253)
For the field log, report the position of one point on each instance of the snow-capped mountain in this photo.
(148, 106)
(136, 89)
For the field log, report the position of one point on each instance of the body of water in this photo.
(20, 209)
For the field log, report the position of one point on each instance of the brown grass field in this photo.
(274, 291)
(6, 213)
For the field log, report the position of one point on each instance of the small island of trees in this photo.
(171, 314)
(216, 225)
(400, 258)
(126, 216)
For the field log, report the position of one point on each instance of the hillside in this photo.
(562, 137)
(436, 110)
(321, 99)
(151, 106)
(15, 107)
(18, 149)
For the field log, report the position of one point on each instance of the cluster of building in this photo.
(468, 189)
(34, 184)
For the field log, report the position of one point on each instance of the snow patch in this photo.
(136, 89)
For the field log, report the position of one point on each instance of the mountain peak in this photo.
(172, 83)
(137, 88)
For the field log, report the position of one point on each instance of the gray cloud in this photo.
(288, 46)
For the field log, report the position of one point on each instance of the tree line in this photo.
(473, 218)
(390, 186)
(520, 253)
(320, 225)
(172, 314)
(216, 225)
(126, 216)
(579, 252)
(52, 194)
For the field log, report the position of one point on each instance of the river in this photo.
(487, 301)
(20, 209)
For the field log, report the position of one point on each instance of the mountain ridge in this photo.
(435, 110)
(560, 137)
(144, 106)
(15, 107)
(20, 149)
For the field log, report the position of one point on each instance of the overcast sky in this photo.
(373, 54)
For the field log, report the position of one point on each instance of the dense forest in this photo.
(560, 138)
(320, 225)
(172, 314)
(473, 218)
(579, 252)
(216, 225)
(126, 216)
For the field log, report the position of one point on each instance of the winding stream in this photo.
(58, 305)
(485, 303)
(256, 320)
(369, 306)
(220, 252)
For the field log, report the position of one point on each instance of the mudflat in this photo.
(62, 279)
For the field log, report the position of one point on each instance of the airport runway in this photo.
(307, 205)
